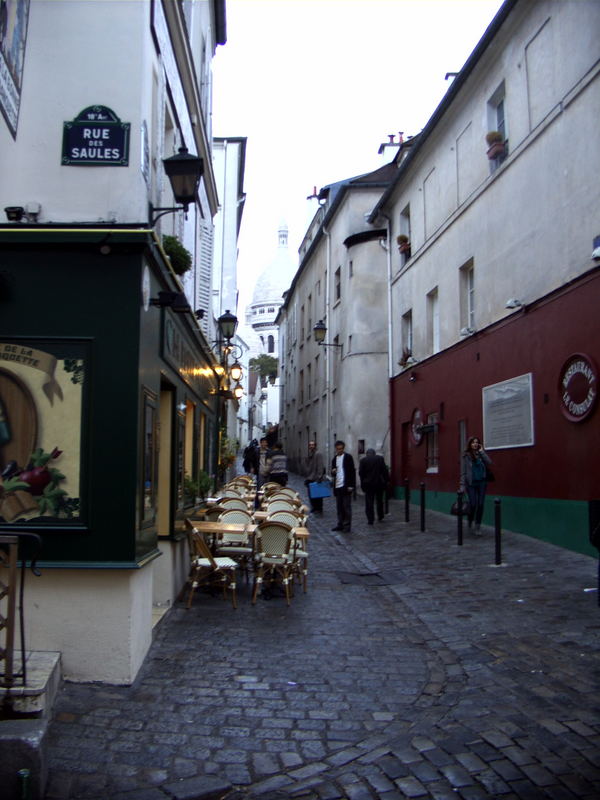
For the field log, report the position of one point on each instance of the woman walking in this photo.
(473, 480)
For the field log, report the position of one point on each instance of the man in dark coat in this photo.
(374, 477)
(344, 483)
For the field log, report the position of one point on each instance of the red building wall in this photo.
(564, 462)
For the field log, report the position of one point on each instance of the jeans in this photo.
(343, 505)
(476, 494)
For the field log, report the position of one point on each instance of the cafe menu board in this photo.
(508, 413)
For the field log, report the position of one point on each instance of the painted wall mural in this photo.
(14, 15)
(41, 401)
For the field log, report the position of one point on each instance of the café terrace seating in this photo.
(299, 551)
(236, 545)
(208, 569)
(273, 562)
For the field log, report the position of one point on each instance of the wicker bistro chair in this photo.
(214, 512)
(272, 544)
(269, 487)
(236, 545)
(282, 505)
(292, 493)
(208, 569)
(231, 491)
(299, 550)
(234, 502)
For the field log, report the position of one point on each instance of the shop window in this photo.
(149, 457)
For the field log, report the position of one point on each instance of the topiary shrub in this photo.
(179, 256)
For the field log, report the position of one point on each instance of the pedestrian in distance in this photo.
(474, 478)
(374, 478)
(250, 458)
(315, 472)
(278, 465)
(344, 475)
(263, 462)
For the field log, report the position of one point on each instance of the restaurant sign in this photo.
(578, 387)
(96, 138)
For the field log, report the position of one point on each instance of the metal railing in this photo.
(13, 548)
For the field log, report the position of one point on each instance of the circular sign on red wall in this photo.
(578, 387)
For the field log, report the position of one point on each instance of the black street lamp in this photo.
(320, 330)
(184, 172)
(227, 323)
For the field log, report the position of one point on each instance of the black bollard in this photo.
(459, 519)
(406, 500)
(422, 488)
(498, 531)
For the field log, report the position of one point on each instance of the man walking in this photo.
(374, 477)
(315, 472)
(344, 472)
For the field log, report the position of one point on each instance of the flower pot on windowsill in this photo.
(497, 144)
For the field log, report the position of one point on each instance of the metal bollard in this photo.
(422, 488)
(498, 531)
(459, 519)
(406, 500)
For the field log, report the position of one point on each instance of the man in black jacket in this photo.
(344, 483)
(374, 478)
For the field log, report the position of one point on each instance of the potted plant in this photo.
(496, 144)
(403, 244)
(179, 256)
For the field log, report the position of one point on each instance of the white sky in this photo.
(316, 86)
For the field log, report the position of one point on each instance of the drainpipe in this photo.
(387, 246)
(327, 350)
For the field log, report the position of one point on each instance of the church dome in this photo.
(278, 275)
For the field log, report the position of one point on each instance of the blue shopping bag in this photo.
(319, 489)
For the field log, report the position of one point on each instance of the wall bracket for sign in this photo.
(95, 138)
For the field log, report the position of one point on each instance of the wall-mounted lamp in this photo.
(513, 303)
(235, 371)
(184, 172)
(176, 301)
(467, 331)
(320, 330)
(238, 392)
(14, 213)
(181, 406)
(413, 377)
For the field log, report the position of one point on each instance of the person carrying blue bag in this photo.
(315, 473)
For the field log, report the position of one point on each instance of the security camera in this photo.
(14, 213)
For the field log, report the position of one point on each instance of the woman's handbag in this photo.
(464, 507)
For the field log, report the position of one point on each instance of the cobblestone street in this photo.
(412, 668)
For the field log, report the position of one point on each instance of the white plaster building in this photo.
(494, 307)
(132, 406)
(337, 391)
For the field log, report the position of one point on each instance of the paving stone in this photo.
(453, 706)
(411, 787)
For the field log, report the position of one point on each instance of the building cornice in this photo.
(185, 64)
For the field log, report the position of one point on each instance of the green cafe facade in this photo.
(107, 403)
